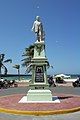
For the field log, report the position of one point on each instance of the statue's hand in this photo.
(32, 29)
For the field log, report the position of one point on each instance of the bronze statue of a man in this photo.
(38, 29)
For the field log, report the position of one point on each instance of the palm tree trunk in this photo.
(19, 74)
(0, 72)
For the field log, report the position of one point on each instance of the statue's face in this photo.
(37, 18)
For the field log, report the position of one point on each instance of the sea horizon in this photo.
(28, 76)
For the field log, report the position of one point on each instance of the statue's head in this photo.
(37, 18)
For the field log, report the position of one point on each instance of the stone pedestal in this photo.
(39, 87)
(39, 70)
(39, 95)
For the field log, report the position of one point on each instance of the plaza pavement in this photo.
(59, 89)
(70, 116)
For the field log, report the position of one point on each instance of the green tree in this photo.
(28, 54)
(2, 61)
(18, 68)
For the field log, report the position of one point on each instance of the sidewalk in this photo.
(70, 116)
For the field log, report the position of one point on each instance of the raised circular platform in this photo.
(68, 103)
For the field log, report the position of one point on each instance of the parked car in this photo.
(76, 83)
(51, 82)
(60, 80)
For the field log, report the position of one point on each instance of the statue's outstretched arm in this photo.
(33, 27)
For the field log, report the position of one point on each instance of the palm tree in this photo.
(28, 54)
(2, 61)
(17, 66)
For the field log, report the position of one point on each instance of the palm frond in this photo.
(28, 54)
(8, 60)
(2, 57)
(5, 69)
(16, 66)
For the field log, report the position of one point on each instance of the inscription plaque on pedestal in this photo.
(39, 74)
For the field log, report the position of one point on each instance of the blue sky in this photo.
(61, 20)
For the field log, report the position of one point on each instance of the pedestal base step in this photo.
(40, 96)
(54, 100)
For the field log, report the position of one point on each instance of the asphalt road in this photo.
(58, 89)
(23, 90)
